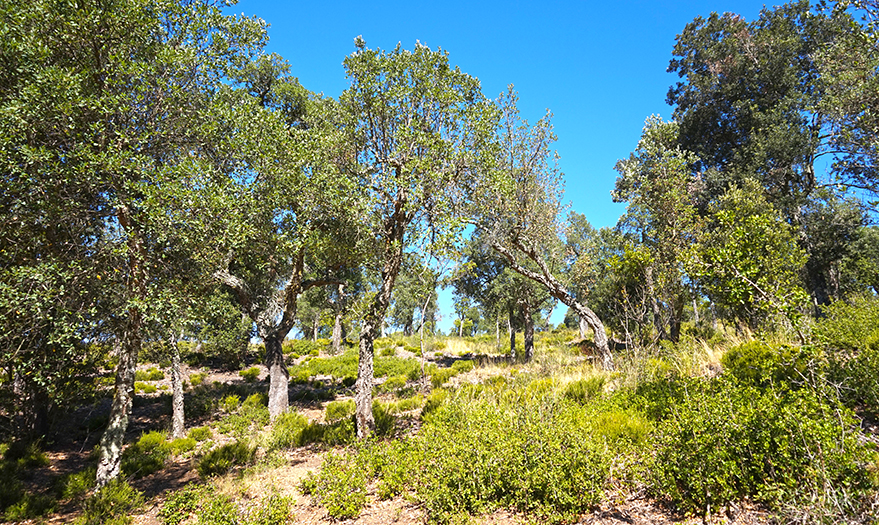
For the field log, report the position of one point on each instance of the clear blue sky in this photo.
(600, 67)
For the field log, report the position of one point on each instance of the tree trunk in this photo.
(658, 322)
(529, 330)
(497, 331)
(177, 415)
(278, 375)
(314, 329)
(114, 437)
(695, 311)
(337, 333)
(395, 228)
(557, 290)
(512, 334)
(677, 316)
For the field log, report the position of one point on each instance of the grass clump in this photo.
(585, 390)
(146, 456)
(112, 505)
(197, 378)
(152, 374)
(286, 431)
(250, 375)
(222, 459)
(200, 433)
(145, 388)
(337, 410)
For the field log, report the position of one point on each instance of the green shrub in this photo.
(848, 326)
(393, 383)
(287, 431)
(181, 445)
(463, 366)
(197, 378)
(231, 403)
(628, 426)
(250, 375)
(273, 510)
(340, 432)
(30, 506)
(145, 388)
(112, 505)
(340, 487)
(146, 456)
(77, 484)
(441, 375)
(220, 460)
(184, 503)
(153, 374)
(585, 390)
(200, 433)
(389, 351)
(218, 510)
(257, 401)
(727, 441)
(337, 410)
(760, 364)
(304, 346)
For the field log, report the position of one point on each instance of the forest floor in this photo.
(71, 450)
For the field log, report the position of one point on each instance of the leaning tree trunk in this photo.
(337, 333)
(178, 422)
(557, 290)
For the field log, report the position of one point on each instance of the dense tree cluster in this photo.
(164, 179)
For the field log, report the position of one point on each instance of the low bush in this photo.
(146, 456)
(726, 441)
(250, 375)
(30, 506)
(146, 388)
(393, 383)
(197, 378)
(222, 459)
(184, 503)
(585, 390)
(77, 484)
(272, 510)
(112, 505)
(200, 433)
(181, 445)
(340, 487)
(231, 403)
(286, 431)
(152, 374)
(337, 410)
(783, 366)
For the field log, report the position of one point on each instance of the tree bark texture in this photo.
(279, 377)
(114, 437)
(529, 331)
(394, 229)
(178, 421)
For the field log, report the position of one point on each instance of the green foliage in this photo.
(273, 510)
(152, 374)
(622, 427)
(759, 364)
(146, 456)
(337, 410)
(585, 390)
(393, 383)
(30, 506)
(300, 347)
(255, 402)
(250, 375)
(340, 487)
(848, 326)
(231, 403)
(200, 433)
(197, 378)
(286, 431)
(77, 484)
(183, 503)
(145, 388)
(181, 445)
(112, 505)
(725, 441)
(219, 509)
(220, 460)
